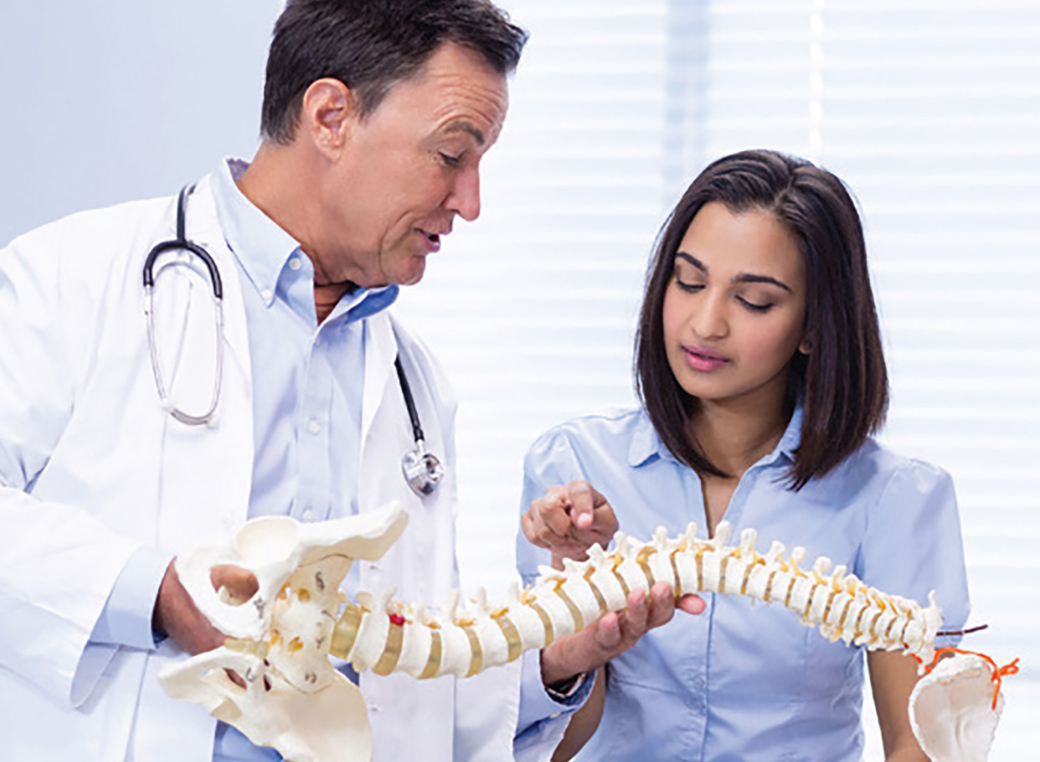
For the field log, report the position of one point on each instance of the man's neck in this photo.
(275, 184)
(327, 296)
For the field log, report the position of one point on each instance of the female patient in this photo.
(760, 370)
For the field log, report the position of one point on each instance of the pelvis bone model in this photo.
(296, 702)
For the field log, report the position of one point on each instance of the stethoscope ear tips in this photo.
(422, 470)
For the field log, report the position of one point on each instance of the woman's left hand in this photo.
(615, 632)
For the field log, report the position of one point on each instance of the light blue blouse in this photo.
(748, 682)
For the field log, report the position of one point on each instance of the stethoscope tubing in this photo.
(421, 468)
(150, 276)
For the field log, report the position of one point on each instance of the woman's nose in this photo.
(710, 320)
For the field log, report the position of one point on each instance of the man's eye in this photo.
(451, 161)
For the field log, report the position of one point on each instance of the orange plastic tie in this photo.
(997, 675)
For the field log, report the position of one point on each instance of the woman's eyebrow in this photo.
(692, 260)
(742, 278)
(749, 278)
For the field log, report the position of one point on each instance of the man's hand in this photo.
(568, 520)
(614, 633)
(176, 615)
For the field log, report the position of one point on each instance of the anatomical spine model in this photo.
(280, 639)
(387, 637)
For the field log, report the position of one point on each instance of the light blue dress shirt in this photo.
(748, 682)
(307, 390)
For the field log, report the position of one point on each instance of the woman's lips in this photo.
(704, 359)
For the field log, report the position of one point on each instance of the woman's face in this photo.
(734, 309)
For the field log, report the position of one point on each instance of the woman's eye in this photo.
(690, 288)
(754, 306)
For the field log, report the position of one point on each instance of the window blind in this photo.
(532, 308)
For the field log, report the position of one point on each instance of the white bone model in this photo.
(296, 702)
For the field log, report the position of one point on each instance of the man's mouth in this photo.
(433, 239)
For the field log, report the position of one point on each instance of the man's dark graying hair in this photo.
(370, 45)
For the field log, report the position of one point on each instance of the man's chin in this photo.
(413, 273)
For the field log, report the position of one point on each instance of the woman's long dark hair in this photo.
(843, 379)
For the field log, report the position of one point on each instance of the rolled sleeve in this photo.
(913, 542)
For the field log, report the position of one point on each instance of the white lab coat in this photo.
(91, 468)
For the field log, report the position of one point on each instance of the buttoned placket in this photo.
(697, 672)
(695, 667)
(314, 491)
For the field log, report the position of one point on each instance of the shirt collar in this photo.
(646, 444)
(260, 245)
(264, 249)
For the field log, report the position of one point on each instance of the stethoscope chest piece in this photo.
(422, 470)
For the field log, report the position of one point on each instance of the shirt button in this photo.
(308, 515)
(295, 263)
(314, 427)
(266, 294)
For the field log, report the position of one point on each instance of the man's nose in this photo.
(464, 199)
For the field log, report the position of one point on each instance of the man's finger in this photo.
(239, 584)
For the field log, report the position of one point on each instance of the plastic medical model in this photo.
(294, 700)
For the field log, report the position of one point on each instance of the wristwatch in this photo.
(562, 690)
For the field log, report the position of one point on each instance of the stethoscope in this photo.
(421, 468)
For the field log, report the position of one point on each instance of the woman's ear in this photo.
(806, 346)
(327, 114)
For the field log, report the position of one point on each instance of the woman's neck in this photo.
(735, 437)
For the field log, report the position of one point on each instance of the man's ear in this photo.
(327, 115)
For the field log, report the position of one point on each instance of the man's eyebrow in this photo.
(462, 125)
(742, 278)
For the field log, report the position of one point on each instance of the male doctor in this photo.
(376, 116)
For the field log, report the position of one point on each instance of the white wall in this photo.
(114, 99)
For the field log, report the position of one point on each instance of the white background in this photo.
(929, 110)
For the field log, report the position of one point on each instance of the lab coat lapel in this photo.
(380, 351)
